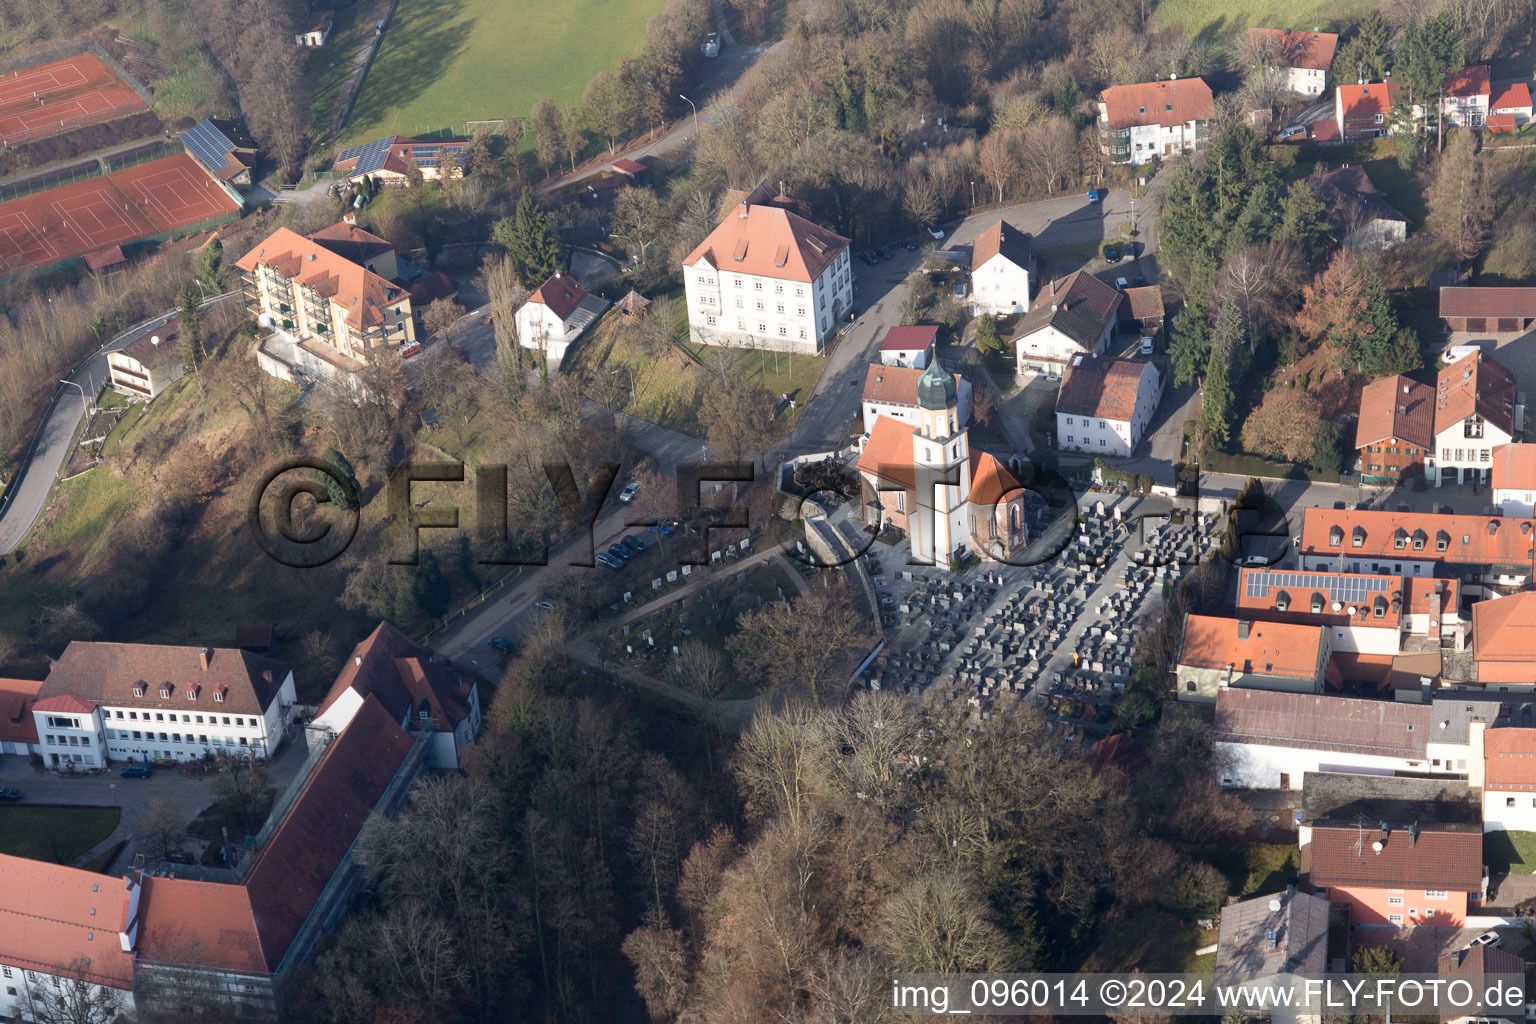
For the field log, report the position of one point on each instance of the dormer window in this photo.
(1335, 536)
(165, 691)
(1400, 539)
(1358, 537)
(1442, 540)
(192, 691)
(218, 696)
(1282, 601)
(1380, 609)
(138, 689)
(1419, 539)
(1317, 602)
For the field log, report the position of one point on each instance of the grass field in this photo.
(1223, 19)
(1514, 852)
(57, 834)
(447, 61)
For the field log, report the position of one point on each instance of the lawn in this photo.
(1402, 189)
(58, 834)
(1510, 852)
(443, 62)
(328, 65)
(1225, 19)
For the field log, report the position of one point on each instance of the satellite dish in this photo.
(1353, 610)
(1274, 906)
(1376, 846)
(154, 339)
(1337, 606)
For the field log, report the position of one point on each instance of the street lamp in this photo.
(973, 195)
(86, 405)
(686, 100)
(614, 373)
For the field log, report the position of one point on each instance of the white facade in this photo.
(538, 328)
(1105, 436)
(1308, 82)
(134, 733)
(443, 752)
(1345, 561)
(1156, 140)
(1049, 350)
(1471, 457)
(912, 415)
(1515, 501)
(1260, 766)
(912, 358)
(1506, 811)
(1000, 287)
(745, 311)
(940, 452)
(20, 985)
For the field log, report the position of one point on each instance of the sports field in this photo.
(52, 226)
(444, 62)
(1229, 19)
(53, 98)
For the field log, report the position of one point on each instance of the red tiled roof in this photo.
(1162, 103)
(1103, 386)
(767, 240)
(908, 339)
(1271, 648)
(1510, 96)
(66, 703)
(405, 677)
(1504, 629)
(110, 256)
(1501, 121)
(1469, 540)
(207, 923)
(624, 165)
(1143, 303)
(991, 483)
(351, 242)
(561, 293)
(1475, 384)
(1487, 301)
(1436, 859)
(891, 385)
(1079, 306)
(1326, 130)
(436, 285)
(1367, 100)
(1425, 599)
(16, 722)
(1514, 467)
(1510, 757)
(1482, 967)
(1312, 50)
(1396, 407)
(148, 352)
(1471, 80)
(106, 673)
(1259, 590)
(887, 455)
(1003, 238)
(359, 292)
(1306, 721)
(52, 916)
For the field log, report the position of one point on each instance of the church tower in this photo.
(941, 469)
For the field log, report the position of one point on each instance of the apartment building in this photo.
(1150, 120)
(1364, 613)
(1074, 316)
(148, 364)
(1403, 874)
(137, 702)
(1395, 432)
(1485, 554)
(331, 315)
(767, 277)
(1105, 405)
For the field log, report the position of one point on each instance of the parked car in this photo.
(1141, 282)
(666, 528)
(1147, 346)
(1111, 254)
(604, 558)
(547, 606)
(868, 258)
(180, 857)
(1255, 560)
(885, 253)
(908, 244)
(137, 771)
(1097, 195)
(630, 490)
(1295, 131)
(935, 232)
(499, 643)
(1122, 283)
(10, 793)
(165, 762)
(619, 551)
(634, 544)
(1485, 939)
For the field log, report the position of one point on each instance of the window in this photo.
(159, 717)
(1381, 118)
(164, 738)
(800, 311)
(137, 735)
(783, 331)
(1435, 894)
(226, 719)
(779, 288)
(739, 303)
(710, 321)
(1189, 687)
(1394, 901)
(199, 719)
(119, 714)
(1509, 801)
(1394, 890)
(135, 715)
(1069, 421)
(176, 737)
(202, 739)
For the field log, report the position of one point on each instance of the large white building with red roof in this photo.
(1153, 120)
(767, 277)
(1105, 404)
(1002, 270)
(1474, 414)
(556, 314)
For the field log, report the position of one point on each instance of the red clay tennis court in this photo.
(53, 98)
(61, 223)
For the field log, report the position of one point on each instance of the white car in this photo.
(1121, 283)
(1485, 939)
(1146, 346)
(935, 232)
(547, 606)
(629, 491)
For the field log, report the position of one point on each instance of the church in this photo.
(925, 481)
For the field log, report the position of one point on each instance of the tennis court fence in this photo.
(90, 168)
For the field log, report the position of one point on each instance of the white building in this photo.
(1071, 317)
(556, 314)
(1105, 404)
(1002, 271)
(1467, 97)
(1514, 479)
(891, 391)
(138, 702)
(414, 686)
(767, 277)
(1505, 756)
(1474, 414)
(1151, 120)
(911, 347)
(1303, 58)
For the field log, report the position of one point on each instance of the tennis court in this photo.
(53, 98)
(124, 206)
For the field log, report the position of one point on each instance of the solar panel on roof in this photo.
(1344, 589)
(207, 143)
(369, 157)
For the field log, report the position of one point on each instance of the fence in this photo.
(91, 46)
(92, 167)
(74, 49)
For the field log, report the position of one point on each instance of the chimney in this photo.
(744, 210)
(266, 675)
(357, 659)
(154, 339)
(1413, 834)
(1407, 390)
(1384, 833)
(204, 656)
(1402, 410)
(350, 217)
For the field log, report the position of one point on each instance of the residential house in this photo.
(1395, 430)
(1338, 799)
(925, 481)
(1514, 479)
(1510, 106)
(1002, 271)
(414, 685)
(1483, 553)
(1364, 111)
(1504, 641)
(1466, 97)
(911, 347)
(1368, 222)
(1269, 739)
(1216, 654)
(1105, 404)
(892, 391)
(1073, 316)
(556, 314)
(1474, 414)
(767, 277)
(388, 161)
(18, 729)
(316, 30)
(223, 147)
(1492, 308)
(1142, 307)
(1399, 873)
(1365, 614)
(1508, 777)
(329, 316)
(1303, 58)
(1277, 941)
(1151, 120)
(135, 702)
(147, 364)
(1483, 970)
(1453, 718)
(65, 934)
